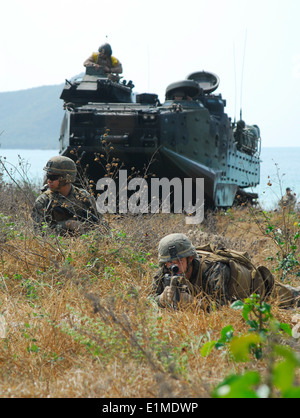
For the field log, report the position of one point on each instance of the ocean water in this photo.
(279, 167)
(25, 164)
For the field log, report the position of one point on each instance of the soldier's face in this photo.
(181, 263)
(102, 54)
(178, 97)
(53, 185)
(54, 182)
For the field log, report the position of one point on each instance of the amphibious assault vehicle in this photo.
(107, 127)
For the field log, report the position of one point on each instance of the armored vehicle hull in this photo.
(188, 136)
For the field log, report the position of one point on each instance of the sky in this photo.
(252, 45)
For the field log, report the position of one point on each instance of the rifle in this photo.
(63, 214)
(174, 281)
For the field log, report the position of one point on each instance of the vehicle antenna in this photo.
(148, 64)
(234, 64)
(243, 74)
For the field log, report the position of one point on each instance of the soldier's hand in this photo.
(75, 226)
(185, 299)
(167, 296)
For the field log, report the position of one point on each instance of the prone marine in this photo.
(205, 276)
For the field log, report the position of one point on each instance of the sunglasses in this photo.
(53, 177)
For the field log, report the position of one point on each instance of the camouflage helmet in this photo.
(175, 246)
(63, 166)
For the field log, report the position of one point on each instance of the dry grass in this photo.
(80, 322)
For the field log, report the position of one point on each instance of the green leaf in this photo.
(253, 324)
(246, 310)
(240, 346)
(283, 375)
(237, 305)
(238, 386)
(207, 348)
(292, 393)
(284, 372)
(286, 328)
(288, 354)
(226, 334)
(219, 345)
(266, 309)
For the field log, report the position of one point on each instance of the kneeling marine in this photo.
(63, 207)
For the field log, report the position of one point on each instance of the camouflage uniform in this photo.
(218, 276)
(288, 200)
(74, 212)
(55, 209)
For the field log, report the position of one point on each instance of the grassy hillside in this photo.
(30, 119)
(80, 322)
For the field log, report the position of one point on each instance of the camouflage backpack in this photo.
(245, 278)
